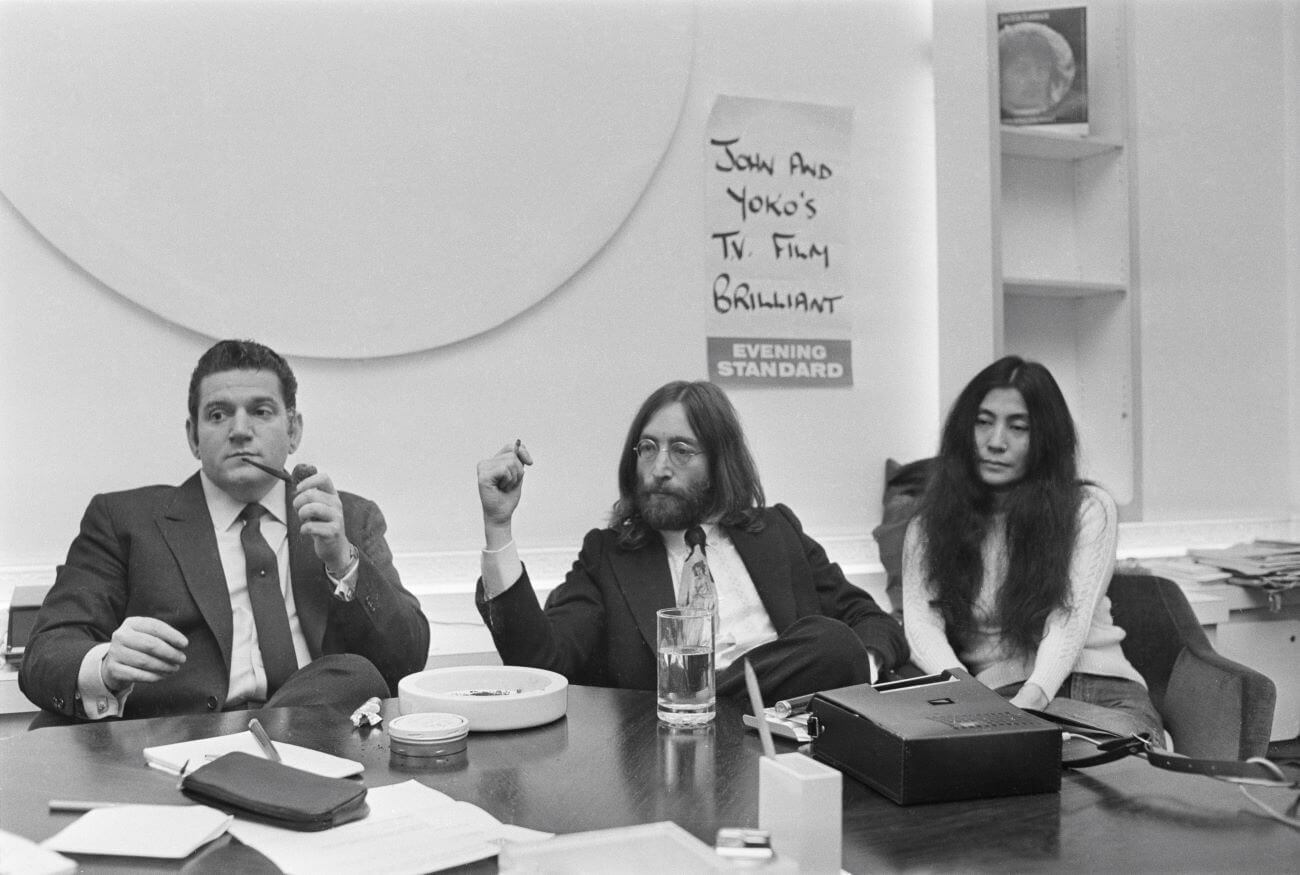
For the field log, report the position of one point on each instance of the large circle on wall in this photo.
(340, 180)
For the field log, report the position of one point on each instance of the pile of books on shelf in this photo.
(1272, 566)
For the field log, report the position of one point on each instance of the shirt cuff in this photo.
(501, 569)
(873, 662)
(345, 587)
(97, 701)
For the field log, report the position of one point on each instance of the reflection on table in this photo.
(610, 763)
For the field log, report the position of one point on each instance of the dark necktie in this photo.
(269, 615)
(696, 588)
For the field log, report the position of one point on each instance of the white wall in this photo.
(93, 386)
(1215, 97)
(1291, 97)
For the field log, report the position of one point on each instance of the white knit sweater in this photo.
(1081, 639)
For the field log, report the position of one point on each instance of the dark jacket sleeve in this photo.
(119, 566)
(83, 608)
(566, 636)
(383, 622)
(850, 604)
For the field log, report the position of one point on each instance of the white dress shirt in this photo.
(743, 623)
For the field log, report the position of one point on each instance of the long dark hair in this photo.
(1041, 510)
(736, 493)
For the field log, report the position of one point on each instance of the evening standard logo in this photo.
(770, 361)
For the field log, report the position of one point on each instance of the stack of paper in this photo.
(1267, 564)
(174, 757)
(1184, 570)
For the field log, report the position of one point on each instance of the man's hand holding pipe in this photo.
(320, 514)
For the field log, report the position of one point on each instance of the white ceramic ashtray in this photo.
(490, 697)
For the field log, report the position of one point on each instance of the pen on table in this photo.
(84, 805)
(263, 740)
(786, 707)
(756, 702)
(80, 804)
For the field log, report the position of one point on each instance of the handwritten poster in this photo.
(776, 196)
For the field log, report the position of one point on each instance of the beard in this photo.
(664, 508)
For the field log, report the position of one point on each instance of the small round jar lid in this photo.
(428, 726)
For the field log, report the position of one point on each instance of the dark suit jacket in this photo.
(598, 626)
(153, 552)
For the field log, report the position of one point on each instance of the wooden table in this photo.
(609, 763)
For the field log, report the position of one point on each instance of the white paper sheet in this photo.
(165, 831)
(411, 829)
(172, 757)
(22, 856)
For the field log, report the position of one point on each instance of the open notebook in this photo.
(173, 757)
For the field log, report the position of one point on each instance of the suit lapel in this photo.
(647, 585)
(769, 569)
(186, 526)
(311, 589)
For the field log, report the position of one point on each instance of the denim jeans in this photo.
(1116, 704)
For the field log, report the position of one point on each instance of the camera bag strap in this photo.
(1112, 746)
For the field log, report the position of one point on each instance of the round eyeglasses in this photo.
(680, 453)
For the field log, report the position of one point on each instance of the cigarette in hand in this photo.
(522, 452)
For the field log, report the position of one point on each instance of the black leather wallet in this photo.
(271, 792)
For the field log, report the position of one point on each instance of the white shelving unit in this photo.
(1054, 147)
(1064, 265)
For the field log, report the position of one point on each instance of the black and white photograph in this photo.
(644, 436)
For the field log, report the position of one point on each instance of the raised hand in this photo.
(500, 483)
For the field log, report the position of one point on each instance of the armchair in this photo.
(1212, 707)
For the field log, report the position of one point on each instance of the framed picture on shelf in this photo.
(1043, 69)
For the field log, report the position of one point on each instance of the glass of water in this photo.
(687, 691)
